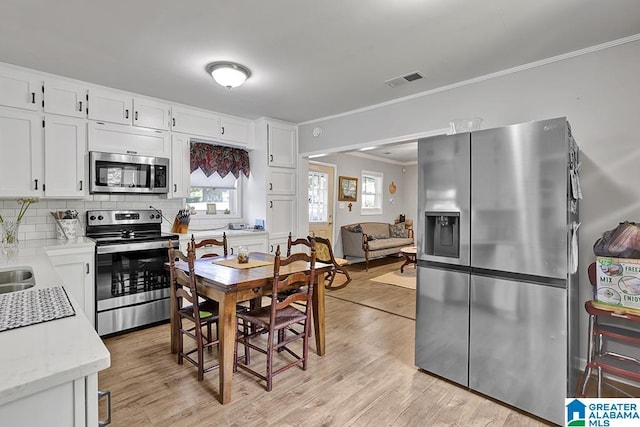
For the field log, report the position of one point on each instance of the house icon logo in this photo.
(576, 413)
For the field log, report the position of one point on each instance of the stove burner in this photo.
(128, 234)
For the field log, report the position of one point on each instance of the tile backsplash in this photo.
(39, 224)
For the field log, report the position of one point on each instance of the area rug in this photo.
(405, 280)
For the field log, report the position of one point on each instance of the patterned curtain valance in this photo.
(216, 158)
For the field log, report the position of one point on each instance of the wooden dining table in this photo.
(228, 285)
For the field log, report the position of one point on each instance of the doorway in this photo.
(321, 199)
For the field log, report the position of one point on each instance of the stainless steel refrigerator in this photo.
(497, 306)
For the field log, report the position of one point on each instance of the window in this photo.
(214, 195)
(371, 193)
(318, 196)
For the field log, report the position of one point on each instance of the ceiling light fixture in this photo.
(228, 74)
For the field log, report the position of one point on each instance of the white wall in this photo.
(348, 165)
(598, 92)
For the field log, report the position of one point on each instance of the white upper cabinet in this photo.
(180, 166)
(113, 138)
(151, 114)
(20, 89)
(123, 108)
(108, 106)
(65, 144)
(235, 130)
(282, 145)
(194, 122)
(64, 98)
(21, 149)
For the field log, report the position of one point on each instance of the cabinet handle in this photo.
(87, 265)
(271, 186)
(271, 157)
(101, 394)
(135, 116)
(131, 152)
(270, 203)
(36, 184)
(222, 130)
(33, 97)
(173, 121)
(271, 248)
(80, 185)
(231, 251)
(175, 188)
(80, 108)
(126, 113)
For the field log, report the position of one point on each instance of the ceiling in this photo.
(309, 59)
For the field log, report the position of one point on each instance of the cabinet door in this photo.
(194, 122)
(20, 153)
(64, 98)
(76, 272)
(109, 106)
(282, 145)
(273, 246)
(65, 144)
(281, 216)
(112, 138)
(19, 89)
(180, 166)
(151, 114)
(254, 244)
(281, 181)
(234, 130)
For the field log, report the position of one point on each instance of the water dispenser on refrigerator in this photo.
(442, 234)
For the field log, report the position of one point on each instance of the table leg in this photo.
(227, 336)
(318, 314)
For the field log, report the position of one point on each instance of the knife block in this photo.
(178, 227)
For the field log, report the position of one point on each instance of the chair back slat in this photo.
(298, 242)
(211, 242)
(304, 281)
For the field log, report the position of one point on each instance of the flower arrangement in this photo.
(10, 228)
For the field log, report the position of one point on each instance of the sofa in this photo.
(374, 239)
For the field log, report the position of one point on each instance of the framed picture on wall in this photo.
(347, 189)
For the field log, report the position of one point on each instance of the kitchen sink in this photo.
(16, 279)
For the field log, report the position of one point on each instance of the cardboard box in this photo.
(618, 282)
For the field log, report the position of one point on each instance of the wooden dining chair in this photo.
(198, 312)
(307, 246)
(211, 242)
(279, 316)
(324, 253)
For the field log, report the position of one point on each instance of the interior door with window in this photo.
(321, 196)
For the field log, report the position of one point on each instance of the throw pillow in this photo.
(376, 236)
(355, 228)
(397, 230)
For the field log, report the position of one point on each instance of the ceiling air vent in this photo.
(397, 81)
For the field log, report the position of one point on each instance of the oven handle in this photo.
(131, 247)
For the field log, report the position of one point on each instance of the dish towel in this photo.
(24, 308)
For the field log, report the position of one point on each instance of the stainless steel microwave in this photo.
(126, 173)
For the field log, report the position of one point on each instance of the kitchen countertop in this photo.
(201, 234)
(44, 355)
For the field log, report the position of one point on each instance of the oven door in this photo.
(132, 286)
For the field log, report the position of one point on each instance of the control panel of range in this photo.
(124, 217)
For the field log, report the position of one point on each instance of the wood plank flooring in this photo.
(367, 377)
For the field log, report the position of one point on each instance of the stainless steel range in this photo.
(132, 285)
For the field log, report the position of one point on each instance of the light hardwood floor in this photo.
(367, 377)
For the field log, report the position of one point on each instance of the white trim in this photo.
(382, 159)
(489, 76)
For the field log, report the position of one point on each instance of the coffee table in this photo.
(409, 253)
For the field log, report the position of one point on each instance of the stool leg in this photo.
(599, 381)
(590, 350)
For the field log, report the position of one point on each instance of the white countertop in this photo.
(44, 355)
(202, 234)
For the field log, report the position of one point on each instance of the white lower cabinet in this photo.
(274, 243)
(252, 243)
(70, 404)
(76, 269)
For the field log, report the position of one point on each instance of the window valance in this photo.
(217, 158)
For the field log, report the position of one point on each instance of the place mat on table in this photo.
(24, 308)
(233, 263)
